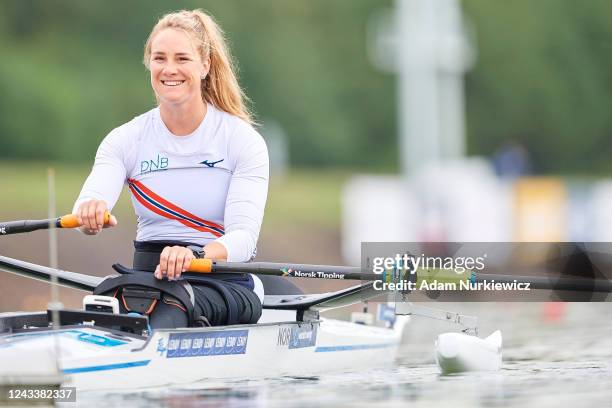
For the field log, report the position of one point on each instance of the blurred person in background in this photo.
(511, 160)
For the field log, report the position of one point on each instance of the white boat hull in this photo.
(96, 359)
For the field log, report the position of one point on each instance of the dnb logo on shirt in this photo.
(157, 164)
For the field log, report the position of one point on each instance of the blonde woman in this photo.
(196, 169)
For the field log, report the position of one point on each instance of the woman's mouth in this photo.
(172, 83)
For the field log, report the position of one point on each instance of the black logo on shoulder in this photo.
(210, 164)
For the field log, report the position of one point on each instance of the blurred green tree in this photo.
(543, 78)
(71, 71)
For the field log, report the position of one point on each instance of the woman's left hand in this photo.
(173, 261)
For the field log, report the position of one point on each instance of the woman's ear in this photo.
(205, 68)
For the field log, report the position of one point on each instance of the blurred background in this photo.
(405, 120)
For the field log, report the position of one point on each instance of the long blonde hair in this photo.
(220, 87)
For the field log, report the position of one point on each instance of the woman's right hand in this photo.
(91, 216)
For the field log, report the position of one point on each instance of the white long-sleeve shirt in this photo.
(208, 186)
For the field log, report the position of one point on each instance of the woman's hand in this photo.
(173, 261)
(91, 216)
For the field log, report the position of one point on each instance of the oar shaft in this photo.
(16, 227)
(280, 269)
(66, 221)
(535, 282)
(354, 273)
(65, 278)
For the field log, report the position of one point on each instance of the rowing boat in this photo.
(98, 351)
(97, 358)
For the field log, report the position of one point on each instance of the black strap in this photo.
(146, 279)
(230, 303)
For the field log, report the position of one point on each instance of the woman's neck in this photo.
(183, 120)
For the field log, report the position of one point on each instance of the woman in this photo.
(196, 169)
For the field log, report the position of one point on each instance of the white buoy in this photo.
(459, 352)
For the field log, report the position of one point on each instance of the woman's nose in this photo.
(170, 68)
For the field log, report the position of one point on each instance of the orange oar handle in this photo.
(71, 221)
(201, 266)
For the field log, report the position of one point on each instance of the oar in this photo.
(355, 273)
(66, 221)
(64, 278)
(280, 269)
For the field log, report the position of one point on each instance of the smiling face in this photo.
(176, 68)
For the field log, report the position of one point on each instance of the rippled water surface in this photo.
(551, 359)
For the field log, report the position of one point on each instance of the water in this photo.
(519, 384)
(555, 362)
